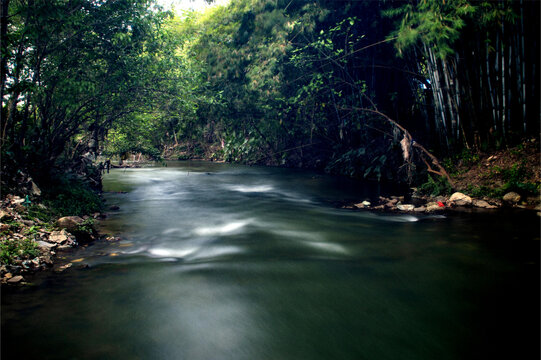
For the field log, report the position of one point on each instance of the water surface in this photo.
(229, 262)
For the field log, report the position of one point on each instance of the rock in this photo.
(511, 198)
(62, 237)
(46, 245)
(4, 227)
(15, 279)
(405, 207)
(35, 189)
(460, 199)
(16, 200)
(114, 207)
(420, 209)
(70, 223)
(4, 214)
(483, 204)
(430, 207)
(28, 222)
(366, 203)
(63, 267)
(359, 206)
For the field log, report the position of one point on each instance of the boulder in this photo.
(511, 198)
(420, 209)
(483, 204)
(405, 207)
(366, 203)
(460, 199)
(62, 237)
(71, 223)
(114, 207)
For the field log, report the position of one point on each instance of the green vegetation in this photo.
(12, 249)
(353, 87)
(68, 197)
(435, 187)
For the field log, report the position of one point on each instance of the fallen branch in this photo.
(408, 140)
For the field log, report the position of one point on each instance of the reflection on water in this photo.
(232, 262)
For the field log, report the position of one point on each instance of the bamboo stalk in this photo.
(504, 105)
(523, 66)
(491, 90)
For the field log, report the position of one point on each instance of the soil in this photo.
(489, 172)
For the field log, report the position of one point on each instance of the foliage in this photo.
(276, 82)
(71, 71)
(435, 187)
(69, 196)
(13, 249)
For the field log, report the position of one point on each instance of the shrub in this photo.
(71, 197)
(12, 249)
(437, 187)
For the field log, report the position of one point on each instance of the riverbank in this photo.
(29, 244)
(507, 177)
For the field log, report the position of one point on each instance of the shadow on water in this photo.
(229, 262)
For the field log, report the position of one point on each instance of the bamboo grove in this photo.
(371, 89)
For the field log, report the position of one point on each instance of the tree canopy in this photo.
(354, 87)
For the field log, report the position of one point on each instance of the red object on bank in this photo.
(440, 204)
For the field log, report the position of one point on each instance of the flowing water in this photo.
(219, 261)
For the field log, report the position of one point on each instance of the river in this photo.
(220, 261)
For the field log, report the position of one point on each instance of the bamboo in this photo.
(498, 81)
(504, 105)
(448, 88)
(436, 88)
(523, 66)
(491, 90)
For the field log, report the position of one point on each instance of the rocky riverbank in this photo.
(29, 245)
(428, 204)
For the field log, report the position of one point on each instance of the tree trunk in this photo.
(523, 67)
(3, 45)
